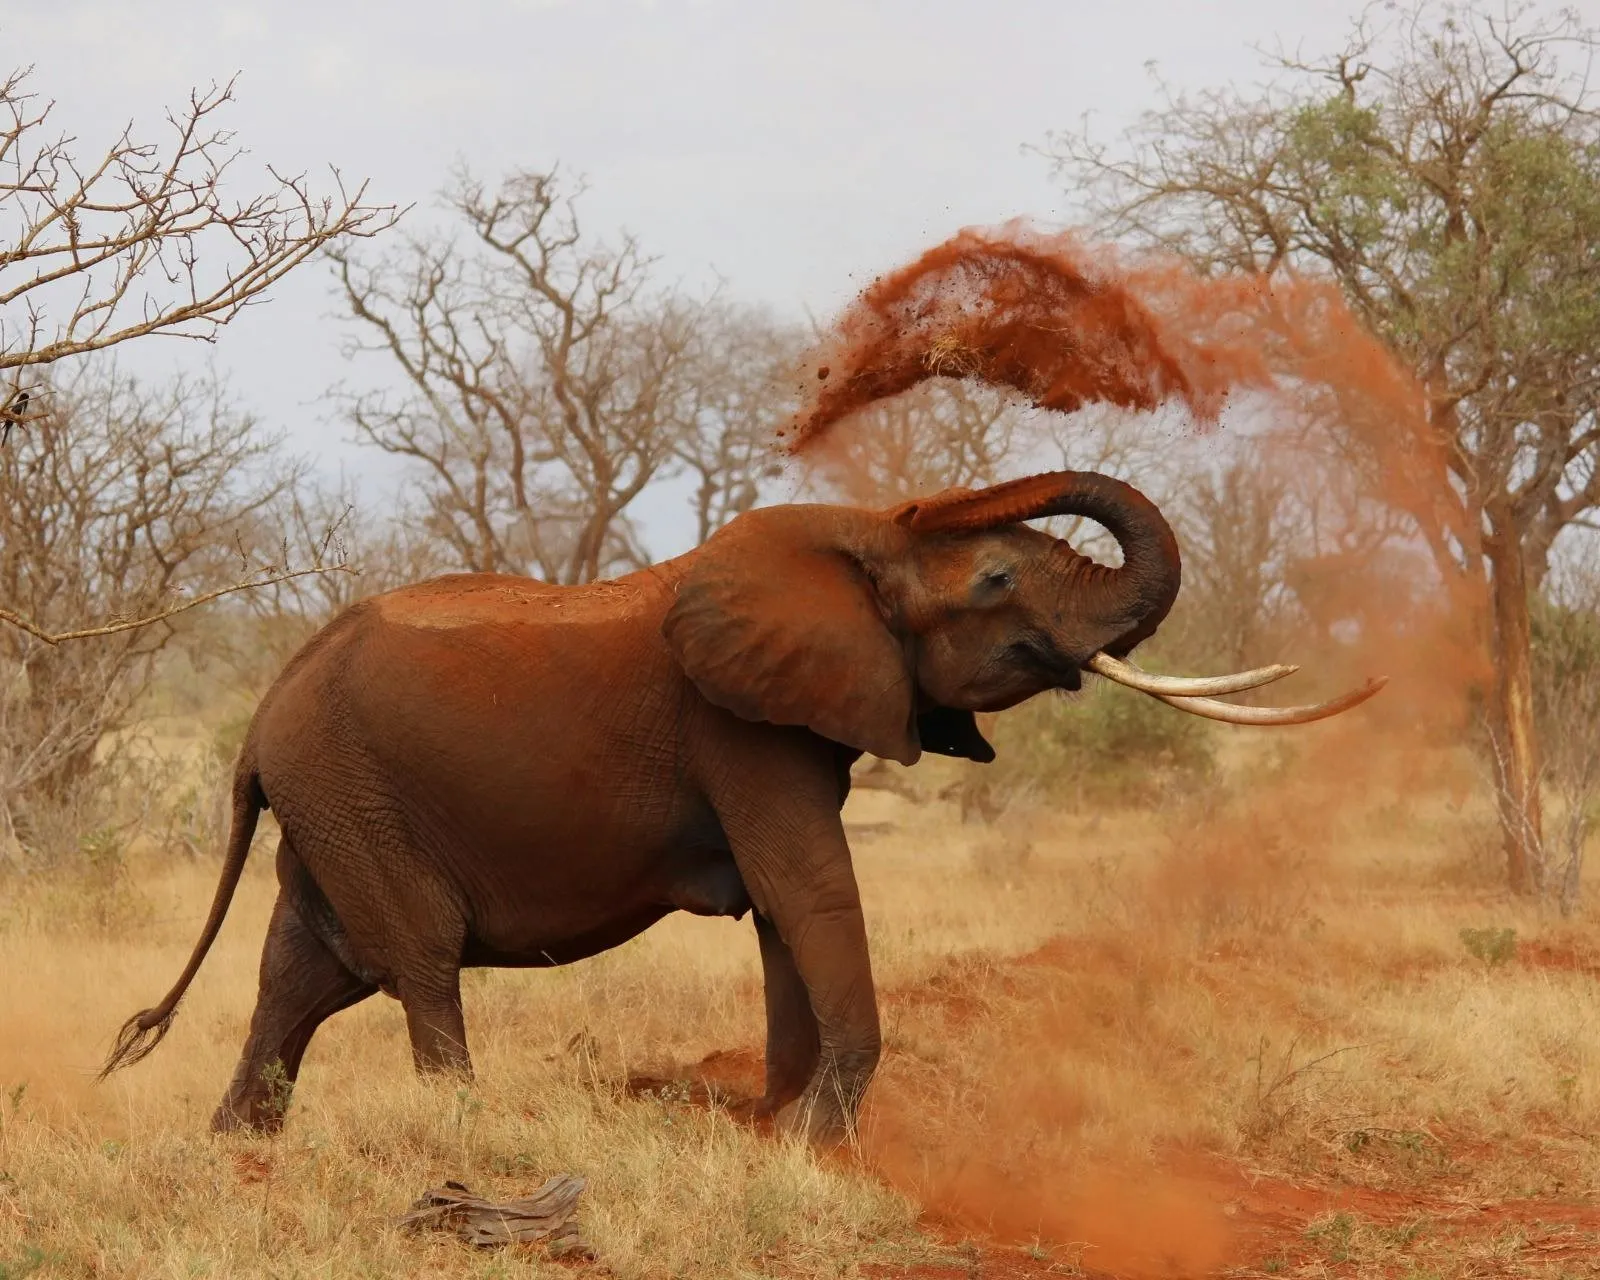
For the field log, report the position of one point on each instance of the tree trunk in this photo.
(1517, 742)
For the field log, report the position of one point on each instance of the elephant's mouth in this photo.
(1052, 670)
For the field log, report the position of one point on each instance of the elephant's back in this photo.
(473, 600)
(527, 739)
(475, 688)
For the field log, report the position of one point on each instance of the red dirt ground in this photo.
(1218, 1213)
(1258, 1216)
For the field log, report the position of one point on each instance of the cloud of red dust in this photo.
(1063, 323)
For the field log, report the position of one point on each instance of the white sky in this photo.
(796, 149)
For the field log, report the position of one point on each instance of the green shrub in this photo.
(1492, 946)
(1104, 745)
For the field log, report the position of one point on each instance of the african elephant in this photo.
(486, 770)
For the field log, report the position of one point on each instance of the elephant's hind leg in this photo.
(428, 935)
(432, 1001)
(302, 985)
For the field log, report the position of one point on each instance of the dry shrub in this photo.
(1231, 874)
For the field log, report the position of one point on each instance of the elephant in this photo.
(482, 769)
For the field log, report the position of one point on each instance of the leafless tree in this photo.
(941, 433)
(140, 240)
(1236, 529)
(316, 520)
(549, 382)
(745, 389)
(126, 503)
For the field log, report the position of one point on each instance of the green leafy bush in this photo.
(1104, 745)
(1492, 946)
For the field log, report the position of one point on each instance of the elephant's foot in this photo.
(247, 1116)
(785, 1084)
(815, 1121)
(825, 1114)
(257, 1100)
(767, 1106)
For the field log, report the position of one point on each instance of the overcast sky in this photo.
(795, 149)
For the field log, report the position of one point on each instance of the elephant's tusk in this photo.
(1184, 686)
(1231, 714)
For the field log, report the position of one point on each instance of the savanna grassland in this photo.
(1239, 1031)
(1160, 999)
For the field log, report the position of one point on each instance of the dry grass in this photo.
(1142, 1041)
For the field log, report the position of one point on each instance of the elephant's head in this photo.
(886, 630)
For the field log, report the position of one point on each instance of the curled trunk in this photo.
(1130, 600)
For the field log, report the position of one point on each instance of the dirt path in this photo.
(1187, 1214)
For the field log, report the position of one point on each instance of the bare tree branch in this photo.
(132, 624)
(145, 239)
(550, 382)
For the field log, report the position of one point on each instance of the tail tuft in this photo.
(139, 1035)
(146, 1029)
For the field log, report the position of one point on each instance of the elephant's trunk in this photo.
(1130, 601)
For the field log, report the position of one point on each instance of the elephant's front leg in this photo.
(796, 864)
(793, 1045)
(825, 930)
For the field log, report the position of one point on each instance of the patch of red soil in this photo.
(956, 989)
(731, 1080)
(1562, 957)
(989, 1263)
(1271, 1214)
(1264, 1218)
(1185, 1213)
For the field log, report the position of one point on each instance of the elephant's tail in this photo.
(147, 1028)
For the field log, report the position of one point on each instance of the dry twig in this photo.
(549, 1214)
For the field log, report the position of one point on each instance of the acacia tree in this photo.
(548, 382)
(142, 239)
(1445, 171)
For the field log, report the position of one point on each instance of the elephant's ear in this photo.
(777, 620)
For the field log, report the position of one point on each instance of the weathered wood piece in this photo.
(549, 1214)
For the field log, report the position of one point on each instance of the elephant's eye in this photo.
(997, 579)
